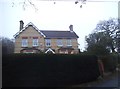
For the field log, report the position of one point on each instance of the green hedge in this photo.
(36, 70)
(110, 61)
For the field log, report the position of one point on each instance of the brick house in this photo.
(30, 39)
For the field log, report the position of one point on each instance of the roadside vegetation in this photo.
(104, 42)
(45, 70)
(56, 69)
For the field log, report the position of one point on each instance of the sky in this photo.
(58, 16)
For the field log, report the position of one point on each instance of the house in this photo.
(30, 39)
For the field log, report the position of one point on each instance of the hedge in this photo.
(39, 70)
(110, 62)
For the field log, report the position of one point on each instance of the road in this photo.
(111, 81)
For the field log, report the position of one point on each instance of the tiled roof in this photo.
(59, 34)
(50, 33)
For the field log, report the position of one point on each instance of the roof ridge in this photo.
(56, 30)
(51, 33)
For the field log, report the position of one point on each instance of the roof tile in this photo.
(59, 34)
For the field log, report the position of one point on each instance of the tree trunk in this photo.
(113, 49)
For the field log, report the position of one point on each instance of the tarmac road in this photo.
(113, 81)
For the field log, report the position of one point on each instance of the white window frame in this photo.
(24, 42)
(69, 42)
(48, 42)
(59, 42)
(35, 42)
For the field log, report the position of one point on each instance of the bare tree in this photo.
(25, 3)
(109, 28)
(31, 3)
(7, 45)
(106, 35)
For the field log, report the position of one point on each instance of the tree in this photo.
(109, 28)
(96, 44)
(105, 38)
(7, 45)
(31, 3)
(118, 37)
(118, 41)
(25, 3)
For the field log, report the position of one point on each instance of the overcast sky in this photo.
(59, 16)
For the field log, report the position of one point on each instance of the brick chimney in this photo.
(21, 25)
(71, 28)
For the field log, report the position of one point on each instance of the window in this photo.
(35, 41)
(24, 42)
(59, 42)
(69, 42)
(48, 42)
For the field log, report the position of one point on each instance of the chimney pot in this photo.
(71, 28)
(21, 25)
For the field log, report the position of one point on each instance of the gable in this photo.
(29, 25)
(30, 31)
(50, 50)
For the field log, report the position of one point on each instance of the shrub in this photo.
(110, 62)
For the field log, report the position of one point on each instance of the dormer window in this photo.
(24, 41)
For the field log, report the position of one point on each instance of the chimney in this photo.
(71, 28)
(21, 25)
